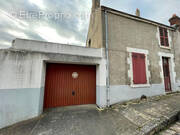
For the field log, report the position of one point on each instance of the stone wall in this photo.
(128, 31)
(95, 29)
(124, 33)
(177, 56)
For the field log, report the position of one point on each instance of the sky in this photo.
(67, 21)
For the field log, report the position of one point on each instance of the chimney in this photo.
(95, 4)
(175, 21)
(137, 12)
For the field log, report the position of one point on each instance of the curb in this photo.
(163, 123)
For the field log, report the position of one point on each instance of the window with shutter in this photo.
(139, 68)
(163, 37)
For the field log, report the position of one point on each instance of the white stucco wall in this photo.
(20, 86)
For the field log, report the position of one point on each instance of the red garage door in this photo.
(69, 85)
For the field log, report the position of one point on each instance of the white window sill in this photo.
(164, 47)
(169, 92)
(140, 85)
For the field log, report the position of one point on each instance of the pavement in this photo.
(172, 130)
(137, 117)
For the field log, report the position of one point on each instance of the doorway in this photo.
(68, 85)
(166, 71)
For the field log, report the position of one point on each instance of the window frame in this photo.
(164, 37)
(171, 69)
(130, 71)
(89, 43)
(136, 57)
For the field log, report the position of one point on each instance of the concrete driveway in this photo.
(76, 120)
(132, 118)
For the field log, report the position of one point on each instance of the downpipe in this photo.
(107, 62)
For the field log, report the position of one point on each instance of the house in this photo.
(126, 57)
(143, 56)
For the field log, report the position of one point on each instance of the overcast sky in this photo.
(66, 21)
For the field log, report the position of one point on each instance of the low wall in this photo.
(19, 104)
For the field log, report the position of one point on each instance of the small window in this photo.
(139, 68)
(164, 37)
(89, 43)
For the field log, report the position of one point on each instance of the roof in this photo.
(134, 17)
(55, 48)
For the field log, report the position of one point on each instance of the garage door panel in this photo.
(60, 85)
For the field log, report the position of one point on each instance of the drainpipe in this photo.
(107, 62)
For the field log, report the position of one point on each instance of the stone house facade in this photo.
(143, 56)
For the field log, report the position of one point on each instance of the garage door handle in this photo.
(73, 93)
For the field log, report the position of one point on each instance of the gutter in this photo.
(133, 17)
(107, 62)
